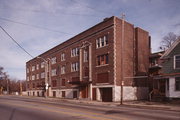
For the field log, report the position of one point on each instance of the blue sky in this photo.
(60, 20)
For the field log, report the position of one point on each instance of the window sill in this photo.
(102, 65)
(102, 47)
(75, 71)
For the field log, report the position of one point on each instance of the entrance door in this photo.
(54, 93)
(74, 94)
(94, 93)
(38, 93)
(106, 94)
(43, 93)
(162, 86)
(84, 92)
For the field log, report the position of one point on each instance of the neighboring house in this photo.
(155, 70)
(164, 73)
(93, 64)
(171, 70)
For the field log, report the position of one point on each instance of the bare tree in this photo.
(168, 40)
(4, 79)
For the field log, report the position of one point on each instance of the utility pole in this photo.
(20, 88)
(46, 66)
(122, 61)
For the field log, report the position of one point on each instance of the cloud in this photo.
(74, 16)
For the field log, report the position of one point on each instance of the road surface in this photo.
(33, 108)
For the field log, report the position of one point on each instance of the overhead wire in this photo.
(52, 13)
(16, 42)
(44, 28)
(94, 9)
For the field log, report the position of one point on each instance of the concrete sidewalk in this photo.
(140, 104)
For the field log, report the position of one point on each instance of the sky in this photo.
(38, 25)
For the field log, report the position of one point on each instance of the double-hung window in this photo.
(37, 76)
(42, 64)
(33, 68)
(102, 59)
(177, 62)
(37, 66)
(53, 60)
(63, 57)
(74, 66)
(63, 69)
(177, 83)
(85, 56)
(53, 72)
(74, 52)
(102, 41)
(43, 75)
(33, 77)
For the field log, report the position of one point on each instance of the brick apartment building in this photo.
(93, 64)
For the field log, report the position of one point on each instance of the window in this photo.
(53, 72)
(85, 56)
(103, 77)
(37, 76)
(33, 77)
(63, 70)
(74, 52)
(54, 83)
(63, 93)
(37, 66)
(27, 78)
(177, 83)
(63, 57)
(167, 83)
(33, 68)
(27, 70)
(74, 67)
(63, 83)
(34, 85)
(86, 71)
(177, 62)
(43, 75)
(102, 41)
(102, 59)
(53, 60)
(42, 64)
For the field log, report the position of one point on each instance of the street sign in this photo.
(46, 86)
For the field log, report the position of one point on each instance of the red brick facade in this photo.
(97, 68)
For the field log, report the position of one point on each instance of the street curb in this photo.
(129, 105)
(167, 108)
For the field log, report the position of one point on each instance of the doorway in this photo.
(106, 94)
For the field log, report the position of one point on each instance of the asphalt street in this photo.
(33, 108)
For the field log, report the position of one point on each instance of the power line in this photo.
(39, 27)
(52, 13)
(101, 11)
(16, 42)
